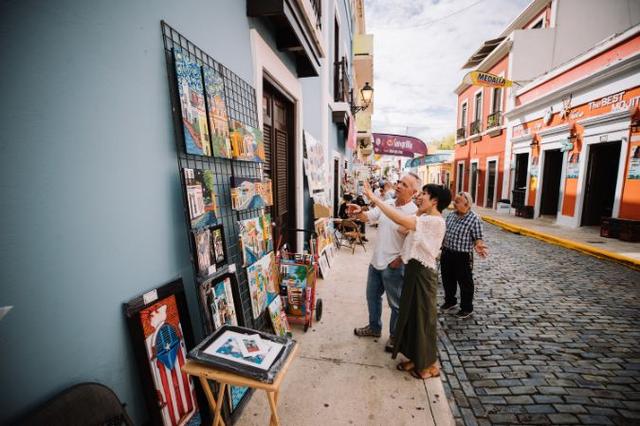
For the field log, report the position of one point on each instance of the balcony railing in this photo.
(341, 81)
(460, 133)
(494, 120)
(475, 127)
(317, 9)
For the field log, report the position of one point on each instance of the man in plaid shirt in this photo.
(463, 236)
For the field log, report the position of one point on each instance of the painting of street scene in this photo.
(262, 276)
(216, 298)
(247, 143)
(218, 250)
(217, 112)
(192, 104)
(252, 239)
(250, 193)
(201, 197)
(203, 251)
(279, 318)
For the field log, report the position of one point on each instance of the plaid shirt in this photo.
(462, 231)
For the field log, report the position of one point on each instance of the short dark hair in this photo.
(347, 197)
(440, 193)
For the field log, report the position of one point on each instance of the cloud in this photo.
(419, 47)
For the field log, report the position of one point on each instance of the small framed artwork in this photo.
(218, 246)
(324, 265)
(217, 302)
(202, 244)
(160, 330)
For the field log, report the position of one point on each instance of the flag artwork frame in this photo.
(161, 334)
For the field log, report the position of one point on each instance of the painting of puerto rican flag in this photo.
(166, 350)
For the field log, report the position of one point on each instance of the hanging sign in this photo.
(479, 78)
(404, 146)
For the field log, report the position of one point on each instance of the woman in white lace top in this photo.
(416, 334)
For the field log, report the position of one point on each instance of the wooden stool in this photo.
(205, 372)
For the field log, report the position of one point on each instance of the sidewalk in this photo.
(584, 239)
(340, 379)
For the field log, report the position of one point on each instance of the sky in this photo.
(419, 49)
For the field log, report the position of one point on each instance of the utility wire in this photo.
(425, 24)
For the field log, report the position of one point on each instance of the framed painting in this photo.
(216, 113)
(192, 104)
(218, 246)
(247, 143)
(160, 329)
(252, 239)
(263, 279)
(202, 244)
(250, 193)
(201, 197)
(217, 303)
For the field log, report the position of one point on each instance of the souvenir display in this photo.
(156, 322)
(244, 351)
(250, 193)
(192, 104)
(279, 318)
(201, 197)
(216, 299)
(217, 113)
(247, 143)
(218, 246)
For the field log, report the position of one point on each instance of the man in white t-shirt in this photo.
(386, 271)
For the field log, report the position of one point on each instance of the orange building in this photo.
(563, 131)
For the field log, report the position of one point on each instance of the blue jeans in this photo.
(379, 281)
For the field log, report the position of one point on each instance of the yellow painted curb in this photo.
(584, 248)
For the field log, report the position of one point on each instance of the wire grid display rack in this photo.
(240, 98)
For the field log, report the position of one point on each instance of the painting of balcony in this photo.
(201, 197)
(217, 113)
(192, 104)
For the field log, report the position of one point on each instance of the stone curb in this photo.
(573, 245)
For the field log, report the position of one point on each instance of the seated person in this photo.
(342, 210)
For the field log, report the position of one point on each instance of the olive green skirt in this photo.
(416, 330)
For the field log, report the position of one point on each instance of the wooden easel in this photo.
(205, 372)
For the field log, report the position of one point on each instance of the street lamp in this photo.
(366, 94)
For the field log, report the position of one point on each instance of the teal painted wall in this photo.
(92, 207)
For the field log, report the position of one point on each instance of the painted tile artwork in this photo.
(217, 113)
(263, 279)
(192, 104)
(166, 350)
(250, 193)
(279, 318)
(217, 297)
(201, 197)
(247, 143)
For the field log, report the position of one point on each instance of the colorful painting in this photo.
(218, 248)
(315, 169)
(263, 278)
(573, 166)
(294, 285)
(236, 393)
(201, 197)
(268, 232)
(247, 143)
(217, 113)
(166, 352)
(202, 241)
(192, 104)
(250, 193)
(279, 318)
(252, 239)
(216, 298)
(226, 347)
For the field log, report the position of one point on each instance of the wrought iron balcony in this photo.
(494, 120)
(341, 81)
(460, 133)
(475, 128)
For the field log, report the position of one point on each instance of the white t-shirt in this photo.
(389, 241)
(425, 242)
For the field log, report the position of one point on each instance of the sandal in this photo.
(431, 372)
(405, 366)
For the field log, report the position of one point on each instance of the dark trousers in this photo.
(457, 268)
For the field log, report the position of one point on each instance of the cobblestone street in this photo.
(554, 339)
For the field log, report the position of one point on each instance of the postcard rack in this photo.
(241, 105)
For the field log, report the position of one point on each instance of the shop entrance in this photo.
(600, 188)
(277, 112)
(552, 172)
(491, 184)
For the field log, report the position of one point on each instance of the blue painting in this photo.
(192, 104)
(250, 193)
(201, 197)
(236, 393)
(217, 112)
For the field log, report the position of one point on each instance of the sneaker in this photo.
(464, 314)
(366, 331)
(447, 306)
(390, 345)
